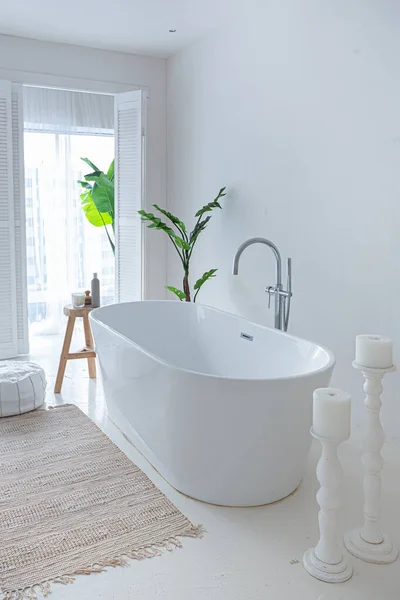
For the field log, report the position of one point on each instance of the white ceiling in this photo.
(136, 26)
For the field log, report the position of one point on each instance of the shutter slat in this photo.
(19, 219)
(128, 195)
(8, 319)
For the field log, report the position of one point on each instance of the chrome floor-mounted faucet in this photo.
(282, 297)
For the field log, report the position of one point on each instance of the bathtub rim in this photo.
(330, 364)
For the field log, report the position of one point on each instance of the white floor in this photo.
(246, 554)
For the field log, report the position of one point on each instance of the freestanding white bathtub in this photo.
(220, 406)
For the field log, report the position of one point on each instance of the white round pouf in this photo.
(22, 387)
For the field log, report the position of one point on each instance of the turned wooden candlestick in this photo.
(326, 561)
(369, 542)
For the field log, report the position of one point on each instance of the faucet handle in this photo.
(270, 291)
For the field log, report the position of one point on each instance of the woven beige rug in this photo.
(72, 503)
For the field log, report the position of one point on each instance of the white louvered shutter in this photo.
(19, 218)
(8, 311)
(128, 196)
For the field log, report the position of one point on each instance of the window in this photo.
(61, 249)
(55, 220)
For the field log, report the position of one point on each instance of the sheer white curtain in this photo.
(66, 111)
(63, 248)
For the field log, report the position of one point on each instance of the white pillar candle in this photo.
(331, 413)
(374, 351)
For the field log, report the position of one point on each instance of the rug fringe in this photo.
(53, 406)
(44, 588)
(197, 531)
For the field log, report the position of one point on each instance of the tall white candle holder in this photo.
(326, 561)
(369, 542)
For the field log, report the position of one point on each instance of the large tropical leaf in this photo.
(181, 243)
(91, 165)
(103, 191)
(103, 197)
(96, 218)
(97, 198)
(157, 223)
(199, 227)
(171, 217)
(200, 282)
(211, 205)
(110, 172)
(85, 184)
(181, 295)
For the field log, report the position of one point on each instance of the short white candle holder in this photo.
(369, 542)
(326, 561)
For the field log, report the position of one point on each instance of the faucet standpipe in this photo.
(272, 290)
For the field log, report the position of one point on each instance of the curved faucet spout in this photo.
(282, 297)
(259, 240)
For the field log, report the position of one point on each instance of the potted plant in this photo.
(184, 242)
(97, 198)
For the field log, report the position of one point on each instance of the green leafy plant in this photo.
(185, 242)
(97, 198)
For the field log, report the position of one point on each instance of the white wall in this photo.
(297, 111)
(44, 63)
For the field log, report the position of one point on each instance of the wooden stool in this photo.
(87, 352)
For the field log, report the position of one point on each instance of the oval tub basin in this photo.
(220, 406)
